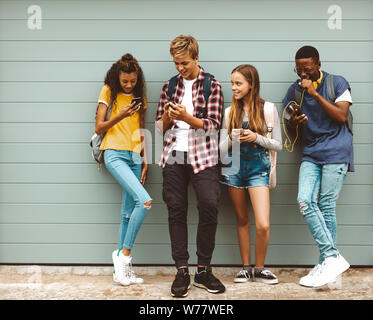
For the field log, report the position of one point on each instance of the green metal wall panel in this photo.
(56, 207)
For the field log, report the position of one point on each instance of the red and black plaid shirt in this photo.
(202, 144)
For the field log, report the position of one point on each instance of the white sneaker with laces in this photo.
(307, 281)
(331, 268)
(132, 276)
(120, 274)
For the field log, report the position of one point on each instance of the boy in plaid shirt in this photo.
(190, 154)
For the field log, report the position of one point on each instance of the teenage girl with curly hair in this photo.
(124, 148)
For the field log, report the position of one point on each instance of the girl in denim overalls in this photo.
(123, 150)
(245, 148)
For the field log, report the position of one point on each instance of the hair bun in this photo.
(127, 57)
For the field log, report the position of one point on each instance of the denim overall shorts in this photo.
(254, 167)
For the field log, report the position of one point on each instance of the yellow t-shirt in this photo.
(125, 134)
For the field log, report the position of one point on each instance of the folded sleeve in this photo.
(104, 95)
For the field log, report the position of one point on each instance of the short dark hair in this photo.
(307, 52)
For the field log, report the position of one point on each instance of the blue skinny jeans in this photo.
(125, 167)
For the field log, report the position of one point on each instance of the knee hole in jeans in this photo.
(148, 205)
(303, 206)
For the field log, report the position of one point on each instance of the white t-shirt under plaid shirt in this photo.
(203, 149)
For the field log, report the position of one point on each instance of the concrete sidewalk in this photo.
(95, 283)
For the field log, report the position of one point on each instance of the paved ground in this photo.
(93, 282)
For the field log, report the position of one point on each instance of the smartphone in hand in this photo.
(298, 111)
(137, 101)
(172, 105)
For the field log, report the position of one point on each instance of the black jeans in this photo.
(176, 178)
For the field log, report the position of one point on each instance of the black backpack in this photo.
(331, 95)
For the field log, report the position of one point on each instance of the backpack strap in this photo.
(329, 82)
(226, 116)
(171, 86)
(207, 85)
(268, 117)
(297, 95)
(108, 112)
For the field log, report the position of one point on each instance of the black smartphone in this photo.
(298, 110)
(137, 101)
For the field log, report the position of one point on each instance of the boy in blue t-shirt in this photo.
(326, 158)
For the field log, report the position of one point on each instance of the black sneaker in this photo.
(206, 280)
(243, 276)
(265, 276)
(181, 284)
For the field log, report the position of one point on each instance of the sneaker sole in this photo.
(182, 295)
(122, 284)
(343, 269)
(238, 280)
(199, 285)
(317, 285)
(137, 282)
(305, 283)
(266, 281)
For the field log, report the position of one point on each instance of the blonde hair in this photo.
(182, 45)
(256, 122)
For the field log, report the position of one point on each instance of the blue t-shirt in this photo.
(326, 141)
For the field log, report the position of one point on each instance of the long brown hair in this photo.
(127, 64)
(256, 122)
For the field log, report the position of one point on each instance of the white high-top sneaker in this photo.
(132, 276)
(331, 268)
(121, 263)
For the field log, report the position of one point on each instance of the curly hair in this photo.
(127, 64)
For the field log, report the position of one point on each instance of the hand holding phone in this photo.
(296, 116)
(137, 101)
(296, 110)
(299, 111)
(172, 105)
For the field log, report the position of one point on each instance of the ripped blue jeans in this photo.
(319, 188)
(125, 167)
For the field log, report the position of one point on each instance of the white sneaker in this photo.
(307, 281)
(331, 268)
(120, 274)
(134, 278)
